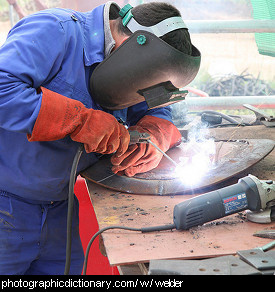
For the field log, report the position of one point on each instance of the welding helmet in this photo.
(144, 67)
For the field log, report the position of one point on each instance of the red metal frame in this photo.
(88, 226)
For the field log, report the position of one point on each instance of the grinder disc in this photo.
(228, 159)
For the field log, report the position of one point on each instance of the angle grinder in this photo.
(250, 193)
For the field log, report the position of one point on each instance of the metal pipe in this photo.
(229, 102)
(231, 26)
(11, 15)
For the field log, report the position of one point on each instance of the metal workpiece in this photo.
(269, 233)
(259, 258)
(224, 265)
(231, 158)
(267, 246)
(262, 257)
(261, 116)
(257, 261)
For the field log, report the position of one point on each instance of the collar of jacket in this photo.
(98, 40)
(94, 36)
(109, 40)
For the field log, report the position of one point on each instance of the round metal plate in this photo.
(228, 159)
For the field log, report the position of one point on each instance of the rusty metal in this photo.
(259, 258)
(232, 158)
(223, 265)
(265, 234)
(261, 116)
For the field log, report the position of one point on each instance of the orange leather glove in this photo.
(144, 157)
(60, 116)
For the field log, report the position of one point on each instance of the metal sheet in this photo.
(258, 259)
(230, 158)
(224, 265)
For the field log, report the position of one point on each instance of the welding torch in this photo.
(137, 137)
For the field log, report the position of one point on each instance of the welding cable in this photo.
(229, 118)
(70, 208)
(143, 230)
(70, 216)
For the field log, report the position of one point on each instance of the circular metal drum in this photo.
(201, 166)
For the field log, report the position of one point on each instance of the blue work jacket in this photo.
(57, 49)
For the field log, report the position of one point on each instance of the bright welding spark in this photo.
(194, 168)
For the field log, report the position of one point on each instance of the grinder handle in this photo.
(217, 204)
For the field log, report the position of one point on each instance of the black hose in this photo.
(94, 237)
(143, 230)
(226, 117)
(70, 208)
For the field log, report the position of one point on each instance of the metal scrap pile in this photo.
(237, 85)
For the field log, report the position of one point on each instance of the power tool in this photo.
(249, 193)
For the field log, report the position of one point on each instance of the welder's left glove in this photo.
(143, 157)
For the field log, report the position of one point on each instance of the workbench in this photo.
(130, 251)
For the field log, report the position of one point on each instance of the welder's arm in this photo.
(60, 116)
(27, 60)
(143, 157)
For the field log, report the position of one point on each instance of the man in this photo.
(47, 109)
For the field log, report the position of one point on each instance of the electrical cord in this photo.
(70, 217)
(230, 118)
(226, 117)
(94, 237)
(70, 208)
(143, 230)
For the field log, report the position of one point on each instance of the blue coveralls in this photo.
(57, 49)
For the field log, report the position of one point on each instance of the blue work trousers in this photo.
(33, 237)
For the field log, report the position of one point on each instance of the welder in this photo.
(50, 70)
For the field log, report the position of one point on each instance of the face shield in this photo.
(144, 67)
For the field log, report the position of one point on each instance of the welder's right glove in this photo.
(60, 116)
